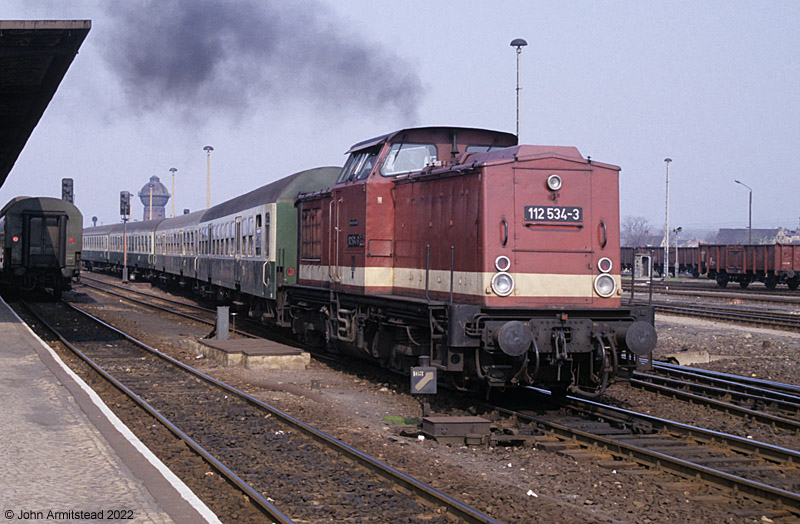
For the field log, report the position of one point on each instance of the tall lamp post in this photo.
(749, 213)
(173, 170)
(666, 225)
(208, 150)
(677, 231)
(519, 43)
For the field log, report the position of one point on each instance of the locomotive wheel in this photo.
(722, 280)
(771, 283)
(793, 283)
(744, 283)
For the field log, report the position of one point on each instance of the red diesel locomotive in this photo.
(499, 262)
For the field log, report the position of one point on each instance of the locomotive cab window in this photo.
(406, 158)
(359, 165)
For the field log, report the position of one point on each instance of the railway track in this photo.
(711, 287)
(763, 401)
(775, 320)
(624, 440)
(180, 308)
(728, 296)
(713, 462)
(291, 470)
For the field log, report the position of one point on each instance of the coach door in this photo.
(44, 240)
(237, 251)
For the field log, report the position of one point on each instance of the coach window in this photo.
(227, 247)
(406, 158)
(214, 237)
(250, 233)
(258, 235)
(266, 234)
(231, 239)
(243, 238)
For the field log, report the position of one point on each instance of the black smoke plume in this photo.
(207, 55)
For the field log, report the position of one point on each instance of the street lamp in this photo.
(749, 213)
(172, 170)
(519, 43)
(666, 225)
(208, 150)
(676, 231)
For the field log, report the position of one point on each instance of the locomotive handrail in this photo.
(604, 240)
(505, 231)
(330, 239)
(338, 209)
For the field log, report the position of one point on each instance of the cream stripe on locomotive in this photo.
(465, 283)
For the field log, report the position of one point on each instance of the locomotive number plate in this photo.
(553, 214)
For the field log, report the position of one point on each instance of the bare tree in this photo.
(634, 231)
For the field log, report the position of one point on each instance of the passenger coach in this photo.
(41, 244)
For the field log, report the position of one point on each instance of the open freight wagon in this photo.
(771, 264)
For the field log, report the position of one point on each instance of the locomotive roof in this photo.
(387, 137)
(284, 189)
(569, 153)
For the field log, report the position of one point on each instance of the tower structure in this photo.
(154, 196)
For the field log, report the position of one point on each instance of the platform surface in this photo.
(63, 451)
(251, 346)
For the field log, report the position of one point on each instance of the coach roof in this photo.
(284, 189)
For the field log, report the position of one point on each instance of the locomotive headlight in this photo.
(502, 284)
(604, 264)
(554, 182)
(605, 285)
(502, 263)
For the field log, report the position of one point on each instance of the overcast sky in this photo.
(276, 87)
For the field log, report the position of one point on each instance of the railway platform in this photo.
(64, 456)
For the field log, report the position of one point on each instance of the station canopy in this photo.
(34, 57)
